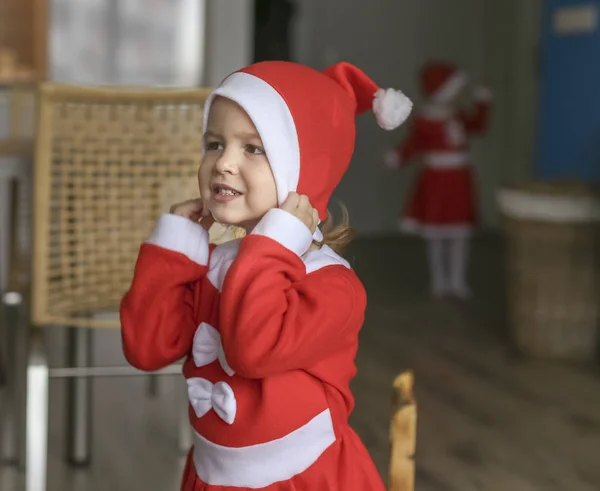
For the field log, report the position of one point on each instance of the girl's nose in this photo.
(226, 164)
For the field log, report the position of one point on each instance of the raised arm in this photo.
(157, 313)
(275, 317)
(476, 119)
(412, 146)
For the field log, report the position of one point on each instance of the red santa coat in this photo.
(270, 334)
(443, 201)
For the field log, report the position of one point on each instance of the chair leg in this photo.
(36, 461)
(79, 398)
(185, 430)
(9, 407)
(15, 357)
(152, 386)
(6, 212)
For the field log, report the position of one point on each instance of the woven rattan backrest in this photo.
(108, 162)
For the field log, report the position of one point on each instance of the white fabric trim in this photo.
(223, 256)
(220, 260)
(451, 88)
(547, 208)
(391, 108)
(208, 347)
(286, 229)
(318, 235)
(323, 257)
(437, 112)
(261, 465)
(274, 123)
(447, 160)
(456, 133)
(180, 234)
(410, 226)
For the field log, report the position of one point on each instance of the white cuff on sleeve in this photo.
(181, 235)
(285, 228)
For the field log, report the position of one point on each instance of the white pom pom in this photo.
(391, 108)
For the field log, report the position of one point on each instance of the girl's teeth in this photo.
(227, 192)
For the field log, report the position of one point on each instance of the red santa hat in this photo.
(306, 120)
(442, 81)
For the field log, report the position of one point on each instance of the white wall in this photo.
(494, 40)
(229, 38)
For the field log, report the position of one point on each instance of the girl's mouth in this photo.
(223, 193)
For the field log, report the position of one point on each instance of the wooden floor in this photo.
(488, 420)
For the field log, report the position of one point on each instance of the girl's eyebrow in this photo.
(248, 135)
(244, 135)
(213, 134)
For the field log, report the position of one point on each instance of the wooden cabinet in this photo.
(23, 39)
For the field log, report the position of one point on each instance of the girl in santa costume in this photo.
(442, 207)
(268, 324)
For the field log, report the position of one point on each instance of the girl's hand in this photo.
(483, 93)
(300, 207)
(391, 160)
(195, 211)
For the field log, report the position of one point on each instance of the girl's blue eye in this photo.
(254, 150)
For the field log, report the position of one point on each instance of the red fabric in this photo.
(157, 333)
(443, 196)
(476, 119)
(346, 465)
(435, 74)
(324, 106)
(291, 338)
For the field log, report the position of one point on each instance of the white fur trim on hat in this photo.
(450, 88)
(274, 123)
(391, 108)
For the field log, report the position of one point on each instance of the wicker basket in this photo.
(553, 271)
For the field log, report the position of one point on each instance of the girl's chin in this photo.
(235, 219)
(227, 218)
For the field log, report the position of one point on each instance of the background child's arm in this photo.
(476, 120)
(157, 311)
(412, 146)
(273, 316)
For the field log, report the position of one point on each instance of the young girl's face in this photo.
(235, 178)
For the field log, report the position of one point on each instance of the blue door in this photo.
(568, 144)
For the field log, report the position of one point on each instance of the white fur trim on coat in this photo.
(261, 465)
(451, 88)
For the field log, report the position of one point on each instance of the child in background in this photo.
(269, 323)
(442, 208)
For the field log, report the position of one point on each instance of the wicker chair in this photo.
(108, 162)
